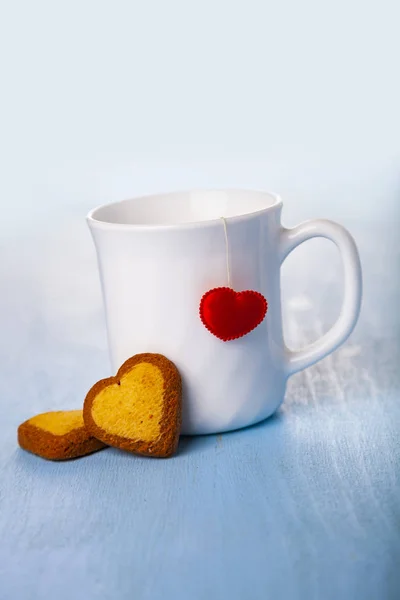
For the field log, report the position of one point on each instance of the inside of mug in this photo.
(184, 207)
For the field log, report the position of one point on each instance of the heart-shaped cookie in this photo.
(57, 435)
(139, 409)
(230, 315)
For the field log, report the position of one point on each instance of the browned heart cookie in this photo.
(57, 435)
(139, 409)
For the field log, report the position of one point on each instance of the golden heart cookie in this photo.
(139, 409)
(57, 435)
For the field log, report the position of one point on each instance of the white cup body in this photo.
(157, 256)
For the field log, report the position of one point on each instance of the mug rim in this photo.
(95, 223)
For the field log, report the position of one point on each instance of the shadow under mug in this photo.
(159, 254)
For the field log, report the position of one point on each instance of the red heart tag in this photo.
(230, 315)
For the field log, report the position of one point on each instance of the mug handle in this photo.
(340, 331)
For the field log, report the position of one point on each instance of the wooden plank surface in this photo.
(303, 506)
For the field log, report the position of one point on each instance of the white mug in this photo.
(159, 254)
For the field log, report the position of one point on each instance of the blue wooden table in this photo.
(303, 506)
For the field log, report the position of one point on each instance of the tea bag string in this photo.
(227, 253)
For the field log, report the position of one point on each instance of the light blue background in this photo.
(105, 100)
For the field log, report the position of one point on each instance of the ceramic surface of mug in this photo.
(159, 254)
